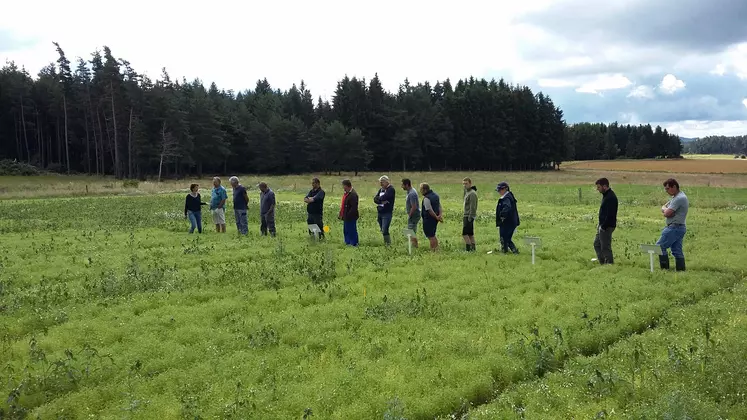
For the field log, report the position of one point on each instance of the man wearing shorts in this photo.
(470, 213)
(431, 214)
(412, 207)
(218, 199)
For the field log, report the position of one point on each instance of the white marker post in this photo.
(651, 250)
(534, 242)
(315, 230)
(410, 234)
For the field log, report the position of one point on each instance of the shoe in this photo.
(664, 262)
(473, 248)
(679, 264)
(468, 247)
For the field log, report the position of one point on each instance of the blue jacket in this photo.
(506, 212)
(388, 196)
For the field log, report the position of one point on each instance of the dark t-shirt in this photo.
(239, 200)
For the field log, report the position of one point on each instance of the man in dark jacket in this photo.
(607, 222)
(384, 200)
(315, 206)
(431, 212)
(349, 213)
(506, 217)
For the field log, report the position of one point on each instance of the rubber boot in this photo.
(504, 247)
(664, 262)
(514, 249)
(679, 264)
(473, 248)
(468, 247)
(387, 240)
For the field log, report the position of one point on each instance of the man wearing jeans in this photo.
(412, 208)
(315, 206)
(675, 212)
(607, 222)
(240, 205)
(267, 209)
(384, 200)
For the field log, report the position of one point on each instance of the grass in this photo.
(108, 308)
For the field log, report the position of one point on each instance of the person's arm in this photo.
(413, 206)
(388, 196)
(246, 196)
(670, 208)
(186, 201)
(604, 213)
(224, 197)
(272, 202)
(472, 206)
(505, 209)
(353, 202)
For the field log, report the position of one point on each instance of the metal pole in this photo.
(409, 244)
(533, 254)
(651, 258)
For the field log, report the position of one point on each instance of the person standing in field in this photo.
(506, 218)
(349, 213)
(384, 200)
(315, 206)
(218, 199)
(431, 214)
(607, 222)
(470, 214)
(193, 208)
(266, 209)
(675, 213)
(412, 208)
(240, 205)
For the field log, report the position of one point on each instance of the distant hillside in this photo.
(686, 139)
(716, 145)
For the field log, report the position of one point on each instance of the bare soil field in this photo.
(697, 166)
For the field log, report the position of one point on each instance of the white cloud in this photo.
(670, 84)
(744, 102)
(692, 129)
(283, 40)
(642, 91)
(605, 82)
(555, 83)
(719, 70)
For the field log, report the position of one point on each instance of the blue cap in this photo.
(503, 184)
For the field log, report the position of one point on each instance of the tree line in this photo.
(718, 145)
(102, 117)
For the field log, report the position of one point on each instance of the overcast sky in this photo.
(681, 64)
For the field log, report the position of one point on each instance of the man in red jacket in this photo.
(349, 213)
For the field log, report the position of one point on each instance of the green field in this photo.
(109, 309)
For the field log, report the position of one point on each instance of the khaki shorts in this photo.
(219, 216)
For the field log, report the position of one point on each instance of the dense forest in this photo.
(718, 145)
(100, 116)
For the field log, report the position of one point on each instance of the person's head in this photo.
(262, 186)
(315, 183)
(671, 186)
(193, 187)
(384, 181)
(216, 182)
(347, 185)
(234, 181)
(503, 188)
(603, 184)
(425, 188)
(467, 182)
(406, 184)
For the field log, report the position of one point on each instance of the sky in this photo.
(679, 64)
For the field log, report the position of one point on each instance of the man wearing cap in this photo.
(240, 205)
(675, 213)
(267, 209)
(384, 200)
(607, 222)
(506, 217)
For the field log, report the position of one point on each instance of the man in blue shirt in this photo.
(240, 205)
(675, 213)
(218, 199)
